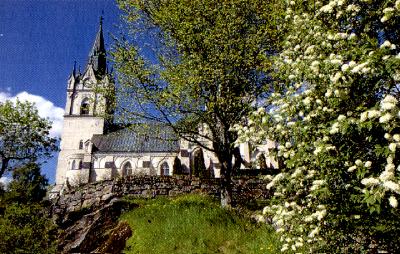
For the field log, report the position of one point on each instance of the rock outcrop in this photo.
(116, 239)
(92, 231)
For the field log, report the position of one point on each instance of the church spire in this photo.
(97, 55)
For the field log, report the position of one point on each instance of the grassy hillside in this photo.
(194, 224)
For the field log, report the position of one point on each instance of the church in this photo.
(93, 149)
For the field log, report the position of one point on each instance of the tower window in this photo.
(81, 145)
(85, 107)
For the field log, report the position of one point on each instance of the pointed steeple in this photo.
(97, 55)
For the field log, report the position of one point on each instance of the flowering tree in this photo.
(335, 117)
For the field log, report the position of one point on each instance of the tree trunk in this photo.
(4, 165)
(226, 182)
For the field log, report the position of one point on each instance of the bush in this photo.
(177, 167)
(28, 185)
(198, 165)
(25, 229)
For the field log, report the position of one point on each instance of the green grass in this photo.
(194, 224)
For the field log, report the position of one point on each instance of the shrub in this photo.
(177, 167)
(25, 229)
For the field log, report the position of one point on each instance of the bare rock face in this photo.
(116, 239)
(88, 231)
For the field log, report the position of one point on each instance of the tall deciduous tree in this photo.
(211, 67)
(24, 135)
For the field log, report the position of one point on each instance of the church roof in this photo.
(144, 140)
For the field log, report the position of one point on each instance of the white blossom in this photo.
(314, 232)
(388, 103)
(392, 147)
(328, 93)
(390, 185)
(307, 101)
(352, 36)
(335, 78)
(358, 162)
(388, 10)
(386, 175)
(386, 44)
(334, 128)
(351, 169)
(369, 181)
(385, 118)
(373, 113)
(390, 166)
(363, 116)
(393, 202)
(341, 118)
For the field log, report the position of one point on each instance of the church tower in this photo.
(85, 111)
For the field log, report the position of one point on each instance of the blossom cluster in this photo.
(388, 116)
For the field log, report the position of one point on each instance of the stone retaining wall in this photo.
(94, 195)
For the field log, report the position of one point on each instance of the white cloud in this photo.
(5, 180)
(45, 108)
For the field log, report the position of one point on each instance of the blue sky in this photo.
(39, 42)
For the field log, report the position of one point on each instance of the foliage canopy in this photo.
(209, 66)
(24, 135)
(28, 185)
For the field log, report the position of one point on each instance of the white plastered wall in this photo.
(100, 172)
(75, 129)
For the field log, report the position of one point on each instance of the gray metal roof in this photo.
(152, 139)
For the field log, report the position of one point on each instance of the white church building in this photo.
(92, 151)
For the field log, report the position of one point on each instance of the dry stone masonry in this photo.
(91, 196)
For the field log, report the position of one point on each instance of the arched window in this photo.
(81, 145)
(127, 169)
(80, 164)
(85, 107)
(164, 169)
(73, 165)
